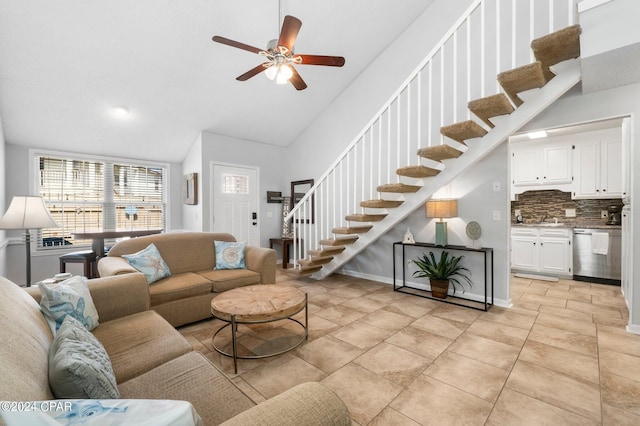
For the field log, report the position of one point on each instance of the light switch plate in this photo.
(496, 215)
(496, 186)
(604, 214)
(570, 212)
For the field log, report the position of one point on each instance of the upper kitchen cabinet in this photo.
(540, 165)
(598, 169)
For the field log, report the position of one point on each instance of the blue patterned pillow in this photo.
(79, 366)
(150, 263)
(229, 255)
(68, 298)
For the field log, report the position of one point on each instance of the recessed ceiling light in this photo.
(537, 135)
(120, 111)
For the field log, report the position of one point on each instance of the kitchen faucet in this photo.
(544, 218)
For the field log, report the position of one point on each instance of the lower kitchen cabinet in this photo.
(542, 249)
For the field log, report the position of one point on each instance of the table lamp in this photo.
(441, 209)
(27, 212)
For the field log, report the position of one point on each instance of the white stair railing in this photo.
(492, 36)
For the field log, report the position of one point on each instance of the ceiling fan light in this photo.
(284, 74)
(271, 72)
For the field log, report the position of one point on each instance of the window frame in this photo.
(34, 154)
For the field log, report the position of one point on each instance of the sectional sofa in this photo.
(185, 296)
(151, 361)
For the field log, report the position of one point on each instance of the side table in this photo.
(285, 242)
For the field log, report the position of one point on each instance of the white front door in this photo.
(235, 202)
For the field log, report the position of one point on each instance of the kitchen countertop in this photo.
(589, 225)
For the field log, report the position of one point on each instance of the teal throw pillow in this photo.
(70, 297)
(79, 366)
(150, 263)
(230, 255)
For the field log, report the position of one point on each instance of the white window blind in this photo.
(87, 194)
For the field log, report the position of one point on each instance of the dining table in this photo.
(98, 236)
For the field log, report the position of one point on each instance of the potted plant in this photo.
(442, 272)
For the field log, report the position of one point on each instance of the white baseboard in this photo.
(633, 328)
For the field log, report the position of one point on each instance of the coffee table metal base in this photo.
(234, 335)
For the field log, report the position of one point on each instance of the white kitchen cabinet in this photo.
(598, 171)
(545, 250)
(538, 166)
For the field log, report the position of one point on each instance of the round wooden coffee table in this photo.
(258, 304)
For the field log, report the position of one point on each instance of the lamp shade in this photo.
(442, 208)
(27, 212)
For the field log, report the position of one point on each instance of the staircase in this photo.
(327, 232)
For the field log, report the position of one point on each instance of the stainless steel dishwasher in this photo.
(602, 265)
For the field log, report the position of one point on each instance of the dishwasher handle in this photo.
(581, 232)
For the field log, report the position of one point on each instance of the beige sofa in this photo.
(186, 295)
(151, 360)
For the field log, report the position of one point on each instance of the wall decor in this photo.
(286, 224)
(190, 188)
(274, 197)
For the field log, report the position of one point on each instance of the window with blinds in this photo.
(87, 194)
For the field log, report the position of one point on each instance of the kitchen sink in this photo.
(551, 225)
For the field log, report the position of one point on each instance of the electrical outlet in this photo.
(496, 186)
(496, 215)
(604, 214)
(570, 212)
(517, 212)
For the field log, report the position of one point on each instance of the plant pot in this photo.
(439, 288)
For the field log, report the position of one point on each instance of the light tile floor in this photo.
(560, 356)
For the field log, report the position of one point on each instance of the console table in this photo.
(417, 248)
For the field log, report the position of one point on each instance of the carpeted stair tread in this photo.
(306, 270)
(491, 106)
(327, 251)
(398, 188)
(557, 47)
(365, 217)
(381, 204)
(340, 241)
(439, 152)
(417, 171)
(315, 261)
(352, 229)
(520, 79)
(463, 130)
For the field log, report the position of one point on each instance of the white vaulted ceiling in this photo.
(64, 64)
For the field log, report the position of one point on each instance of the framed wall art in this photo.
(190, 188)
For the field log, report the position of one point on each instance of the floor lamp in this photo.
(27, 212)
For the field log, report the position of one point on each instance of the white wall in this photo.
(271, 161)
(316, 147)
(3, 241)
(576, 107)
(192, 214)
(476, 202)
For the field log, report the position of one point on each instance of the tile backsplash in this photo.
(533, 205)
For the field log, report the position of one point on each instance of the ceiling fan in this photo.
(280, 56)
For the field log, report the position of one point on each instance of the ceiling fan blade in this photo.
(237, 44)
(331, 61)
(297, 81)
(253, 71)
(289, 32)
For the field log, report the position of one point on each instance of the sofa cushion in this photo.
(193, 378)
(25, 338)
(69, 297)
(226, 279)
(183, 251)
(79, 367)
(139, 342)
(177, 287)
(230, 254)
(149, 262)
